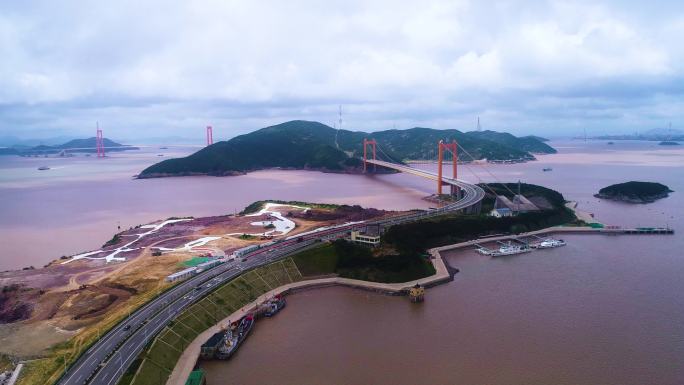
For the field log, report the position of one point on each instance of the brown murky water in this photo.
(78, 204)
(602, 310)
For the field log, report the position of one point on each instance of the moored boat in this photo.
(505, 249)
(274, 305)
(549, 243)
(235, 335)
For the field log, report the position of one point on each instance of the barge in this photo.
(234, 335)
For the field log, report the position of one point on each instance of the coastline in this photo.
(188, 359)
(443, 274)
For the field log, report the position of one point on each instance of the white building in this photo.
(501, 212)
(183, 274)
(360, 237)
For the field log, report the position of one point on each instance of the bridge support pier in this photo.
(453, 147)
(456, 192)
(366, 143)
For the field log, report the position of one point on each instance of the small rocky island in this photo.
(668, 143)
(634, 192)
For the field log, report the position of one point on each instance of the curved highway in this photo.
(107, 359)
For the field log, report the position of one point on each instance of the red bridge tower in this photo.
(453, 147)
(210, 136)
(366, 143)
(99, 143)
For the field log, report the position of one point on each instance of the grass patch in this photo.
(6, 363)
(321, 260)
(350, 260)
(196, 261)
(258, 205)
(159, 359)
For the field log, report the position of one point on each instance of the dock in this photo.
(600, 229)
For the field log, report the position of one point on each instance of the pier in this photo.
(606, 230)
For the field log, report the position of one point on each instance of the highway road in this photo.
(105, 361)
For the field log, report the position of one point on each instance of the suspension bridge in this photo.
(468, 196)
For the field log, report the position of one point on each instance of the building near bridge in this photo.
(501, 212)
(183, 274)
(370, 235)
(209, 264)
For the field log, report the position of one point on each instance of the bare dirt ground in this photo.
(42, 307)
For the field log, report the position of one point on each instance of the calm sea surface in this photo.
(602, 310)
(77, 205)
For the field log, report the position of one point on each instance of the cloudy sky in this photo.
(147, 69)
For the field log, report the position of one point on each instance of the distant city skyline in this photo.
(549, 68)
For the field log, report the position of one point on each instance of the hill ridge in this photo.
(310, 145)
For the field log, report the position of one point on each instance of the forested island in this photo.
(309, 145)
(87, 145)
(634, 192)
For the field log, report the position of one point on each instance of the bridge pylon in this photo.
(99, 142)
(453, 147)
(210, 136)
(373, 144)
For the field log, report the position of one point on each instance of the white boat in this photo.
(550, 243)
(505, 249)
(483, 251)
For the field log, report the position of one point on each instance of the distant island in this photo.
(635, 192)
(87, 145)
(656, 134)
(668, 143)
(306, 145)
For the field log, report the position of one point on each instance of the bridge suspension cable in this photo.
(487, 170)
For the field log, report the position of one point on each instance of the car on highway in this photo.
(127, 327)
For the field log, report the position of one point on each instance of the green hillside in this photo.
(315, 146)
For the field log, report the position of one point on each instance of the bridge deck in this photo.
(472, 194)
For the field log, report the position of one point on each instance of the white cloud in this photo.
(168, 65)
